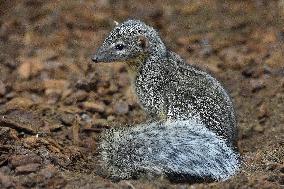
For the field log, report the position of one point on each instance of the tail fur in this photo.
(179, 150)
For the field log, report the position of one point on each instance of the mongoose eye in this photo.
(119, 47)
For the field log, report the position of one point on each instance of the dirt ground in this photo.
(54, 102)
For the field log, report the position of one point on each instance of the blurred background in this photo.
(54, 102)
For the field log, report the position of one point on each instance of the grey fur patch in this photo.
(171, 148)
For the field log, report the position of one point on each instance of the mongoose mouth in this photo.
(97, 59)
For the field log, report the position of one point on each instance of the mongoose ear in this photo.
(143, 42)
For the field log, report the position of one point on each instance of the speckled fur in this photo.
(179, 150)
(169, 89)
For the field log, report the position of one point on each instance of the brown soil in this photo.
(54, 102)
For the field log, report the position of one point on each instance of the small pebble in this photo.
(26, 169)
(6, 181)
(121, 108)
(258, 128)
(2, 89)
(257, 85)
(67, 119)
(18, 160)
(94, 106)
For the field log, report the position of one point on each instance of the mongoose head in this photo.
(128, 41)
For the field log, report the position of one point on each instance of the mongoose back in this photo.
(194, 115)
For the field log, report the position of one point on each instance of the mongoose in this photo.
(194, 132)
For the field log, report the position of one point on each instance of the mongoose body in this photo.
(190, 103)
(181, 91)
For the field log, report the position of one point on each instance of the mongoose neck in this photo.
(141, 63)
(148, 82)
(133, 67)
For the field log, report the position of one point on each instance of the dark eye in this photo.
(119, 47)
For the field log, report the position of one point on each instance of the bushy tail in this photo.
(179, 150)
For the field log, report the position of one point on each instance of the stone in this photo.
(2, 89)
(29, 68)
(56, 84)
(257, 85)
(78, 96)
(67, 119)
(26, 169)
(94, 106)
(19, 160)
(121, 108)
(258, 128)
(19, 102)
(6, 181)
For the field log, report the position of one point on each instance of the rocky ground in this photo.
(54, 102)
